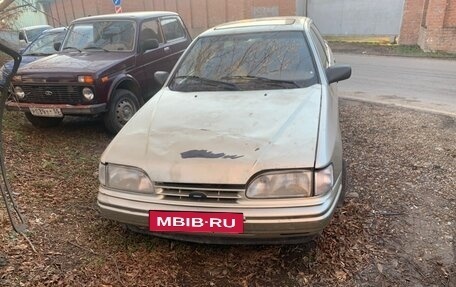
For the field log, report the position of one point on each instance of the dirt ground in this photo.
(397, 228)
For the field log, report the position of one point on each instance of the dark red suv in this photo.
(106, 66)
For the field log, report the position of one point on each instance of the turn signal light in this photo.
(86, 80)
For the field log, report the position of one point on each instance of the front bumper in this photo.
(261, 225)
(66, 109)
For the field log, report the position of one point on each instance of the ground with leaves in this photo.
(397, 227)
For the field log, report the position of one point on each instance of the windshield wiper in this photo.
(211, 82)
(278, 82)
(95, 48)
(72, 48)
(36, 54)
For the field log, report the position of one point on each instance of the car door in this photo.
(176, 37)
(172, 37)
(150, 61)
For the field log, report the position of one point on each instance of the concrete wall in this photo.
(356, 17)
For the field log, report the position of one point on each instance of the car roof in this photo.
(137, 16)
(55, 30)
(35, 27)
(288, 23)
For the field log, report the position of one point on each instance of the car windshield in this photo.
(251, 61)
(32, 34)
(44, 44)
(101, 36)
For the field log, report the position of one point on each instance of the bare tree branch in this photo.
(4, 4)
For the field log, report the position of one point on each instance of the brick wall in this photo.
(198, 15)
(450, 16)
(430, 23)
(411, 21)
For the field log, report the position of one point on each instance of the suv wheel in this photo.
(123, 105)
(43, 122)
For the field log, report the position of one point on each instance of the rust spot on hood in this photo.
(202, 153)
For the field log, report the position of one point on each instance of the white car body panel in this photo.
(212, 129)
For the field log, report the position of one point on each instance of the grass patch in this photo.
(380, 47)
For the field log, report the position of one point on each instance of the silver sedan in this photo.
(241, 145)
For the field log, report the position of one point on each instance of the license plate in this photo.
(185, 221)
(46, 112)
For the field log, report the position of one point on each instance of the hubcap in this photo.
(125, 110)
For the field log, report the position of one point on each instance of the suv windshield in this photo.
(253, 61)
(33, 33)
(44, 45)
(101, 35)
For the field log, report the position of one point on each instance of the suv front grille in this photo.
(52, 95)
(216, 193)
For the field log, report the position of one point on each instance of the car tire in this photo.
(123, 105)
(340, 203)
(43, 122)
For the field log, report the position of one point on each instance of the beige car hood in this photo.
(220, 137)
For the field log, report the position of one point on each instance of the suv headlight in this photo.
(125, 178)
(281, 185)
(324, 180)
(19, 92)
(88, 94)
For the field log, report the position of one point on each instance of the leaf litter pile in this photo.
(397, 227)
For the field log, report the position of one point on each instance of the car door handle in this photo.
(166, 49)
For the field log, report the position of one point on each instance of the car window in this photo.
(32, 34)
(320, 47)
(151, 30)
(44, 44)
(172, 29)
(101, 35)
(250, 61)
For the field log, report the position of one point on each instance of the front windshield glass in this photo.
(44, 45)
(32, 34)
(102, 36)
(253, 61)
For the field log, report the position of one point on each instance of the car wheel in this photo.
(123, 105)
(340, 203)
(43, 122)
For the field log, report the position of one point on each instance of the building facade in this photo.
(429, 23)
(198, 15)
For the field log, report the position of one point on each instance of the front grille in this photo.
(52, 95)
(216, 193)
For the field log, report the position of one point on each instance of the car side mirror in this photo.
(338, 73)
(57, 46)
(161, 77)
(21, 51)
(21, 36)
(149, 44)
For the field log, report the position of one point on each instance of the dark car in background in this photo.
(105, 67)
(30, 33)
(42, 46)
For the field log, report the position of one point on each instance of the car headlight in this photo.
(125, 178)
(324, 180)
(88, 94)
(281, 185)
(19, 92)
